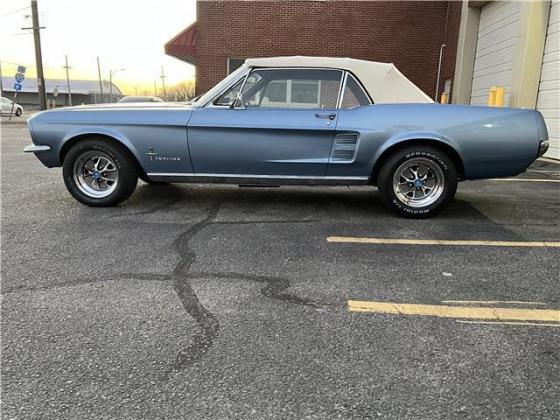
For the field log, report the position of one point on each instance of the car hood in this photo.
(114, 114)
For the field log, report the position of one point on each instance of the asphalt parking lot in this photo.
(214, 302)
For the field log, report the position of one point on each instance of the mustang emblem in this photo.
(151, 154)
(155, 156)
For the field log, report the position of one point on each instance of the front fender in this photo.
(79, 132)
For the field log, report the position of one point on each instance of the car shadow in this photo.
(363, 203)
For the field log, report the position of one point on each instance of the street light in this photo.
(111, 73)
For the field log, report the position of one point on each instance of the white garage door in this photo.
(549, 89)
(495, 49)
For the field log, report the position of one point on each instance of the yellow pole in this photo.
(492, 96)
(500, 93)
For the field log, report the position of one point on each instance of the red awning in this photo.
(183, 45)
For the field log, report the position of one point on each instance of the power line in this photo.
(15, 11)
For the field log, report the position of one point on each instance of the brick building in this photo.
(511, 44)
(409, 34)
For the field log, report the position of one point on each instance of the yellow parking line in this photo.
(524, 180)
(447, 311)
(493, 302)
(510, 323)
(358, 240)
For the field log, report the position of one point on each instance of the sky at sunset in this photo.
(127, 34)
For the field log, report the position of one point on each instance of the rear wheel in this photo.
(98, 173)
(417, 182)
(18, 112)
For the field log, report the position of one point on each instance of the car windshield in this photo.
(220, 86)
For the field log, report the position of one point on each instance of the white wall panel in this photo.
(496, 48)
(548, 102)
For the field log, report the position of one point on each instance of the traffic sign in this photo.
(20, 77)
(21, 69)
(18, 87)
(55, 91)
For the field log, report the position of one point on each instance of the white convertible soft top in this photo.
(383, 81)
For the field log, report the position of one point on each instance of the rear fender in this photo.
(403, 139)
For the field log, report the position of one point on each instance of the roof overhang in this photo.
(183, 45)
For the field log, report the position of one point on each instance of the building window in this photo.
(234, 64)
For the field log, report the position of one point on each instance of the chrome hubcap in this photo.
(418, 182)
(96, 174)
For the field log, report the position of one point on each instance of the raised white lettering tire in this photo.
(417, 181)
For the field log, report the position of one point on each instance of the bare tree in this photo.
(180, 92)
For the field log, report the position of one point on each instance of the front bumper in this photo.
(543, 147)
(33, 148)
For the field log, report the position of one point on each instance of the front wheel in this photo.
(18, 112)
(417, 182)
(99, 173)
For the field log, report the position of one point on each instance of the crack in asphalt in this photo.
(208, 331)
(273, 288)
(208, 323)
(86, 280)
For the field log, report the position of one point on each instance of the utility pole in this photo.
(38, 54)
(162, 77)
(155, 88)
(111, 73)
(68, 81)
(111, 86)
(100, 81)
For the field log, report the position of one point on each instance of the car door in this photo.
(284, 125)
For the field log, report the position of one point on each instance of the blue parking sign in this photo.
(18, 87)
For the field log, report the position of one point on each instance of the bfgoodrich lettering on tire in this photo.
(99, 173)
(417, 181)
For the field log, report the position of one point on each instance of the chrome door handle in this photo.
(326, 116)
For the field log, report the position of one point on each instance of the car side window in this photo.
(292, 88)
(354, 95)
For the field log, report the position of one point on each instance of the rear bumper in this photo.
(33, 148)
(543, 147)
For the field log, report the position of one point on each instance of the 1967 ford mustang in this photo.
(292, 120)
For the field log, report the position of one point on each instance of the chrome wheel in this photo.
(418, 182)
(96, 174)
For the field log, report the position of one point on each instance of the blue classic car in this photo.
(292, 120)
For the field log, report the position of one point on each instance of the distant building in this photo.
(83, 91)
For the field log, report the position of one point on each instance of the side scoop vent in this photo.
(344, 148)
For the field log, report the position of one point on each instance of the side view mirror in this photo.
(238, 102)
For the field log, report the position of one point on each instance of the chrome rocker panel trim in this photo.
(34, 148)
(258, 179)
